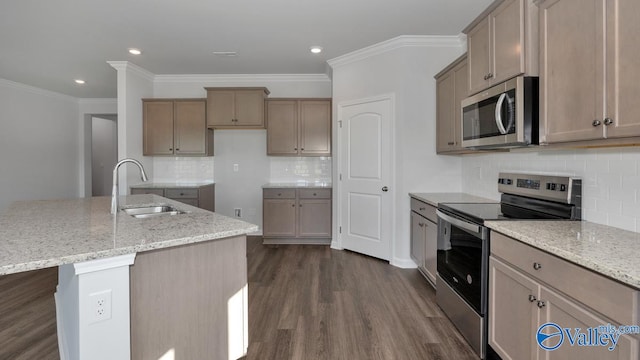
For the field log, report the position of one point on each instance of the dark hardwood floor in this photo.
(311, 302)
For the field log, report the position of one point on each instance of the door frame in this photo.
(336, 242)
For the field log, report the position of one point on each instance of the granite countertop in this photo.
(434, 199)
(41, 234)
(278, 185)
(604, 249)
(164, 185)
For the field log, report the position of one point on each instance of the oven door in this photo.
(463, 255)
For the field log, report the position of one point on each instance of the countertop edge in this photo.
(435, 199)
(42, 264)
(613, 273)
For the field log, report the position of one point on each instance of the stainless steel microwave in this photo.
(506, 115)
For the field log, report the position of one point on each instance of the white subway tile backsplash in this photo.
(611, 178)
(300, 169)
(182, 169)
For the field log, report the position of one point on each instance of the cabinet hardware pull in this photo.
(596, 122)
(541, 304)
(537, 266)
(450, 143)
(295, 149)
(423, 209)
(608, 121)
(293, 205)
(385, 189)
(170, 149)
(314, 194)
(490, 75)
(532, 298)
(300, 205)
(420, 224)
(177, 149)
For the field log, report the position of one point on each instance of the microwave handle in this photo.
(472, 228)
(498, 114)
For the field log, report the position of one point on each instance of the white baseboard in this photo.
(403, 263)
(62, 344)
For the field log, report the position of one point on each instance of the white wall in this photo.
(404, 66)
(611, 182)
(104, 154)
(39, 144)
(247, 148)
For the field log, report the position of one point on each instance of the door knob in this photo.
(385, 189)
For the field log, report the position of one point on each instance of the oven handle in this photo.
(475, 229)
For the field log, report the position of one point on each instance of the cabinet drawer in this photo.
(279, 193)
(314, 193)
(610, 298)
(424, 209)
(137, 191)
(182, 193)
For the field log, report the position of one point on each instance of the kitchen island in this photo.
(183, 276)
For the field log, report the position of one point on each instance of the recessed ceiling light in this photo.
(134, 51)
(316, 49)
(225, 53)
(79, 81)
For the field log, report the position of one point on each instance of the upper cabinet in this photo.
(299, 127)
(236, 108)
(588, 70)
(502, 43)
(451, 89)
(176, 127)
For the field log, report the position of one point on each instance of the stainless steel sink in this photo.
(151, 211)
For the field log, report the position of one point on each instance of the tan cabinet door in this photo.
(572, 70)
(315, 127)
(279, 217)
(507, 29)
(282, 127)
(565, 313)
(190, 127)
(623, 77)
(445, 103)
(478, 55)
(431, 249)
(512, 312)
(158, 128)
(249, 108)
(220, 107)
(460, 93)
(314, 218)
(418, 239)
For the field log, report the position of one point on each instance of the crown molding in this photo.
(133, 68)
(240, 78)
(396, 43)
(37, 91)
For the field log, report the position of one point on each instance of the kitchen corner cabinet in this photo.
(296, 216)
(451, 89)
(424, 238)
(199, 196)
(176, 127)
(502, 43)
(528, 288)
(299, 127)
(589, 75)
(236, 108)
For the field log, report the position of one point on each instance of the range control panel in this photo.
(562, 189)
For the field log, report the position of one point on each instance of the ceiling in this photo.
(48, 44)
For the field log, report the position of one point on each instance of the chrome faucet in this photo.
(114, 192)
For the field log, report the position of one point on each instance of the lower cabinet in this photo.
(296, 216)
(198, 196)
(522, 299)
(424, 238)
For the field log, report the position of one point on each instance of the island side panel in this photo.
(190, 301)
(28, 315)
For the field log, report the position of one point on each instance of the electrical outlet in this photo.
(100, 306)
(237, 212)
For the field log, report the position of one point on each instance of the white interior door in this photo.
(365, 189)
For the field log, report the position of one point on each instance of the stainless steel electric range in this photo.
(464, 243)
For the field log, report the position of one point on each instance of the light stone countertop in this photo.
(41, 234)
(434, 199)
(164, 185)
(276, 185)
(604, 249)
